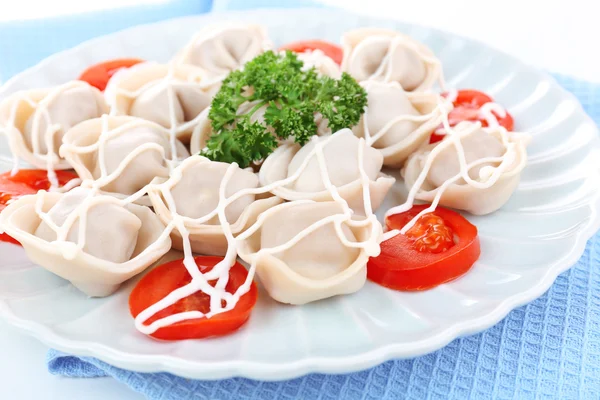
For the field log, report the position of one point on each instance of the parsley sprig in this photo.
(291, 98)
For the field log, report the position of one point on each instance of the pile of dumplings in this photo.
(305, 220)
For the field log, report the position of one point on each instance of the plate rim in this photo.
(212, 370)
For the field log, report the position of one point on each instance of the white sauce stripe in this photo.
(386, 67)
(444, 106)
(454, 139)
(40, 113)
(220, 272)
(221, 300)
(489, 112)
(171, 83)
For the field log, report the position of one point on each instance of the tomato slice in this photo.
(162, 280)
(440, 247)
(24, 182)
(472, 97)
(466, 108)
(99, 74)
(331, 50)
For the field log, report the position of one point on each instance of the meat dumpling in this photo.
(131, 151)
(218, 50)
(113, 242)
(502, 157)
(170, 95)
(389, 56)
(397, 122)
(117, 242)
(36, 120)
(341, 156)
(322, 63)
(202, 132)
(323, 262)
(193, 190)
(324, 66)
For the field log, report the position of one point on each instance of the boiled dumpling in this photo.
(503, 156)
(389, 56)
(68, 108)
(319, 265)
(36, 120)
(396, 122)
(323, 64)
(170, 95)
(132, 152)
(218, 50)
(118, 241)
(341, 155)
(194, 189)
(196, 193)
(113, 242)
(314, 257)
(202, 132)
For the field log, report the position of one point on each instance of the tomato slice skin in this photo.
(8, 239)
(472, 97)
(99, 74)
(331, 50)
(24, 182)
(165, 278)
(466, 107)
(401, 267)
(31, 180)
(434, 138)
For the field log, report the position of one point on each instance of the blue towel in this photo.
(25, 43)
(549, 349)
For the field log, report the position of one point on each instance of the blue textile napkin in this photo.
(25, 43)
(548, 349)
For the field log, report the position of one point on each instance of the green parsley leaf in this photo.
(290, 96)
(342, 102)
(243, 144)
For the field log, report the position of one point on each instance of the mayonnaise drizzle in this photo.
(454, 139)
(489, 112)
(220, 273)
(442, 108)
(386, 67)
(40, 107)
(200, 281)
(99, 147)
(452, 95)
(221, 50)
(170, 83)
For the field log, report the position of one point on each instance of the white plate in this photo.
(540, 233)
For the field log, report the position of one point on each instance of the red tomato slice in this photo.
(99, 74)
(466, 107)
(472, 97)
(165, 278)
(26, 181)
(331, 50)
(440, 247)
